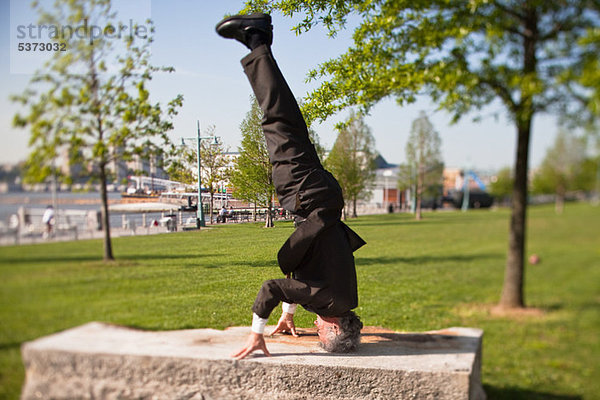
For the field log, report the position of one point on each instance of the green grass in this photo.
(446, 270)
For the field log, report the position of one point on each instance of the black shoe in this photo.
(251, 30)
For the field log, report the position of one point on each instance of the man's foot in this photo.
(251, 30)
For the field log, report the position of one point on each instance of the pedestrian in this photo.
(48, 221)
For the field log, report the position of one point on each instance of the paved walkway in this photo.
(9, 239)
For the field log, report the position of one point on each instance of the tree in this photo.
(587, 109)
(502, 184)
(214, 165)
(406, 180)
(465, 55)
(252, 175)
(98, 112)
(561, 168)
(183, 166)
(352, 160)
(423, 153)
(313, 136)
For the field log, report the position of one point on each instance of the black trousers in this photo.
(301, 183)
(319, 253)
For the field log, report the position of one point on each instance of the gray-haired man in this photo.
(317, 258)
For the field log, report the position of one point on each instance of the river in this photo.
(36, 202)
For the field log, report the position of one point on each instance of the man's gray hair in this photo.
(348, 338)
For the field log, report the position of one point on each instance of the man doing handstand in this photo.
(317, 258)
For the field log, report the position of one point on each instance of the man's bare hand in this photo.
(255, 341)
(286, 324)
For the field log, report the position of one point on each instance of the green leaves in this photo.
(464, 54)
(424, 161)
(352, 159)
(251, 176)
(84, 109)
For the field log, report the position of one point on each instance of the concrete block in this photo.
(100, 361)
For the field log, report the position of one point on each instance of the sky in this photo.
(216, 92)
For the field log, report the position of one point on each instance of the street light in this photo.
(198, 139)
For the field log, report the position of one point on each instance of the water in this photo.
(10, 202)
(36, 202)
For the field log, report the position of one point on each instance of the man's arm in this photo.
(272, 293)
(256, 340)
(286, 322)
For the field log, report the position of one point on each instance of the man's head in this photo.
(339, 334)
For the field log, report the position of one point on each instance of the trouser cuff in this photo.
(260, 51)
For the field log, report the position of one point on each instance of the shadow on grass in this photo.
(10, 346)
(513, 393)
(259, 264)
(428, 220)
(96, 258)
(418, 260)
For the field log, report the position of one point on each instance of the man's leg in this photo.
(292, 154)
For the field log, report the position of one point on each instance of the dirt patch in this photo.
(517, 313)
(495, 311)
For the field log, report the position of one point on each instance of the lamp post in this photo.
(200, 222)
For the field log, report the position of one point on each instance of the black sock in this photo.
(256, 39)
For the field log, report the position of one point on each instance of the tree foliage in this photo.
(423, 154)
(93, 100)
(214, 163)
(562, 168)
(252, 175)
(183, 165)
(532, 55)
(464, 54)
(501, 186)
(352, 160)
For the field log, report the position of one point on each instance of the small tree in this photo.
(423, 153)
(252, 175)
(501, 186)
(214, 165)
(561, 168)
(352, 160)
(182, 166)
(406, 178)
(92, 99)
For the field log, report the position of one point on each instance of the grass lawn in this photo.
(446, 270)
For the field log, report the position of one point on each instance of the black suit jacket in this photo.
(319, 256)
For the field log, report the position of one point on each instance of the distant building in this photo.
(384, 191)
(149, 165)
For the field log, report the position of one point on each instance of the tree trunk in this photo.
(354, 215)
(559, 201)
(108, 253)
(419, 194)
(512, 292)
(210, 208)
